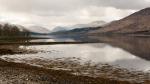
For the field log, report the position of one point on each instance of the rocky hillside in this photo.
(137, 23)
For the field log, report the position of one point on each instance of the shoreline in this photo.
(11, 72)
(23, 73)
(49, 76)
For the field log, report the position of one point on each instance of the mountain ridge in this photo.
(138, 22)
(78, 26)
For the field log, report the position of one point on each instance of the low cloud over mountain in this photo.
(51, 13)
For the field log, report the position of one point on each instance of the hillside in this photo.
(137, 23)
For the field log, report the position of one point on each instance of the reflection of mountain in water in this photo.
(9, 49)
(139, 46)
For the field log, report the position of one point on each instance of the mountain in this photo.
(92, 24)
(59, 28)
(136, 23)
(78, 29)
(77, 26)
(75, 32)
(38, 29)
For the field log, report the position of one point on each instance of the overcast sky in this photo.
(51, 13)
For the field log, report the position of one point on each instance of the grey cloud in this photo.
(122, 4)
(49, 6)
(51, 12)
(60, 6)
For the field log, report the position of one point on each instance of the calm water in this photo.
(132, 53)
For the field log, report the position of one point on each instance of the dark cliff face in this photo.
(137, 23)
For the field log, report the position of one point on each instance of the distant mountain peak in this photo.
(59, 28)
(37, 29)
(91, 25)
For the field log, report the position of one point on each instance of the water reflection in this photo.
(9, 48)
(125, 52)
(86, 52)
(119, 50)
(138, 46)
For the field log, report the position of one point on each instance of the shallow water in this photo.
(125, 58)
(102, 52)
(96, 53)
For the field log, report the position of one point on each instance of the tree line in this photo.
(9, 30)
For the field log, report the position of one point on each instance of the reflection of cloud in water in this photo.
(43, 40)
(139, 46)
(104, 54)
(99, 45)
(53, 40)
(137, 63)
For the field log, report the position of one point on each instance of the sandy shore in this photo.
(16, 73)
